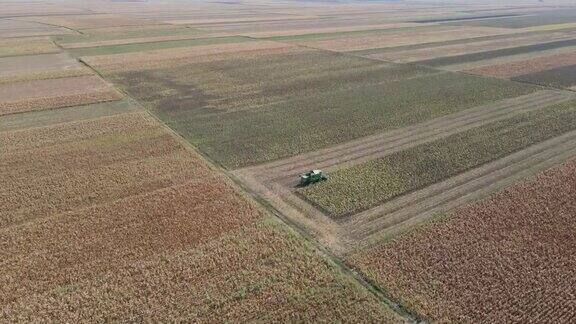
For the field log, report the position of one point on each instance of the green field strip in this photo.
(241, 138)
(450, 42)
(332, 35)
(465, 18)
(562, 77)
(367, 185)
(475, 57)
(536, 19)
(63, 115)
(140, 47)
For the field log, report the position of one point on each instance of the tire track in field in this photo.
(406, 211)
(372, 147)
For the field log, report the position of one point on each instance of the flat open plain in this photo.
(150, 154)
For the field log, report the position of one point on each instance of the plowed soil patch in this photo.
(54, 93)
(508, 258)
(518, 68)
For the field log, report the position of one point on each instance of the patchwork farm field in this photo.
(95, 194)
(506, 258)
(308, 93)
(151, 155)
(370, 184)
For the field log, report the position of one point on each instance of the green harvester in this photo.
(311, 177)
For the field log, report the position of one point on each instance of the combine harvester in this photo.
(311, 177)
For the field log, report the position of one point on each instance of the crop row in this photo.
(400, 38)
(154, 269)
(105, 35)
(59, 101)
(300, 125)
(13, 47)
(246, 82)
(528, 66)
(307, 99)
(150, 46)
(43, 75)
(508, 258)
(360, 187)
(535, 19)
(486, 55)
(106, 216)
(54, 93)
(81, 163)
(562, 77)
(109, 217)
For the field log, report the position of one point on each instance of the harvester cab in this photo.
(311, 177)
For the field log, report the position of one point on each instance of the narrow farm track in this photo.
(396, 215)
(372, 147)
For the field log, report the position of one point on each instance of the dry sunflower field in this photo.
(150, 154)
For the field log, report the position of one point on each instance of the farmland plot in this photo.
(506, 258)
(499, 53)
(127, 35)
(305, 99)
(465, 48)
(561, 77)
(35, 67)
(126, 222)
(258, 272)
(363, 42)
(360, 187)
(527, 66)
(31, 95)
(150, 46)
(26, 46)
(541, 18)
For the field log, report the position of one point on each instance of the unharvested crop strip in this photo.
(396, 215)
(467, 58)
(359, 151)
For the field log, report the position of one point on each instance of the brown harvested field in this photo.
(508, 258)
(54, 93)
(26, 46)
(38, 67)
(521, 67)
(43, 75)
(413, 55)
(393, 39)
(36, 63)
